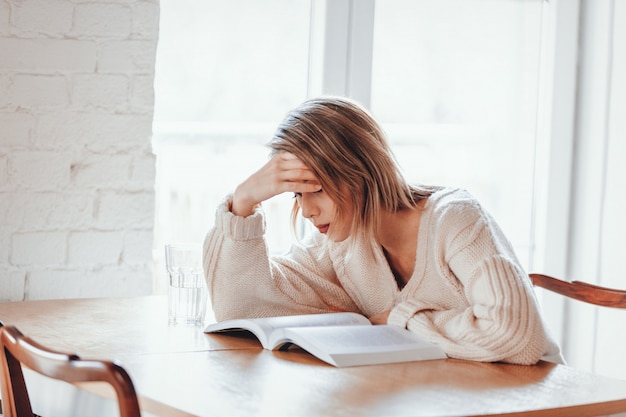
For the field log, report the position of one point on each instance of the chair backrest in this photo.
(582, 291)
(17, 350)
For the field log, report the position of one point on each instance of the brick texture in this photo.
(76, 167)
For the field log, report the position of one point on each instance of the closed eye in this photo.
(296, 195)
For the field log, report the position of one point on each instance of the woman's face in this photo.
(321, 210)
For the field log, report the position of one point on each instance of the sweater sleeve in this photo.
(499, 318)
(245, 281)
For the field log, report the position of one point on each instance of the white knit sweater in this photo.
(468, 292)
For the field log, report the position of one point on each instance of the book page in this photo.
(342, 339)
(313, 320)
(257, 329)
(263, 327)
(360, 345)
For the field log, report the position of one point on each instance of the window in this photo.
(454, 83)
(226, 73)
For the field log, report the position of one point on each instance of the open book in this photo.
(340, 339)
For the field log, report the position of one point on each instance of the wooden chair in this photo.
(578, 290)
(17, 350)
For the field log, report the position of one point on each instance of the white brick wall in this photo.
(76, 168)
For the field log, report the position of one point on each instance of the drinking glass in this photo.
(187, 292)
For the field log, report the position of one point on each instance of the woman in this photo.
(425, 258)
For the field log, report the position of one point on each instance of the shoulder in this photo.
(455, 218)
(454, 205)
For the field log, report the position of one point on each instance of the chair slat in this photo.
(582, 291)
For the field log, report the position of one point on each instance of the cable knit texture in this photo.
(468, 292)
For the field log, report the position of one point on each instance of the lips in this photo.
(323, 228)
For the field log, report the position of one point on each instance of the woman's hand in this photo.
(380, 318)
(282, 173)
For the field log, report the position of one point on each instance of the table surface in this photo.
(181, 371)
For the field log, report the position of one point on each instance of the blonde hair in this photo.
(346, 148)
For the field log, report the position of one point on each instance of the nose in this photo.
(307, 206)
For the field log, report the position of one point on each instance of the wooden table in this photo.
(180, 371)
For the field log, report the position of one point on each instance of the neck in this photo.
(397, 234)
(397, 228)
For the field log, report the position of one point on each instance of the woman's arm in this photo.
(282, 173)
(501, 322)
(500, 319)
(244, 281)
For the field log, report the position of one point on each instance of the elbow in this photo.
(520, 345)
(511, 339)
(530, 353)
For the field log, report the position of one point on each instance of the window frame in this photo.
(348, 28)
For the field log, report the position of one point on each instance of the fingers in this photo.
(380, 318)
(298, 175)
(302, 187)
(284, 172)
(291, 169)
